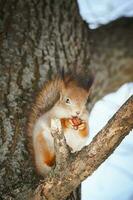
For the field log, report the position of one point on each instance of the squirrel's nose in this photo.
(78, 112)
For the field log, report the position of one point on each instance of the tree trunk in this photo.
(36, 38)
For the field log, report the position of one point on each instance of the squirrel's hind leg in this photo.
(44, 157)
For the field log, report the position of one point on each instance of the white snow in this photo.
(113, 180)
(100, 12)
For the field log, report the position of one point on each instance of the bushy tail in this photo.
(45, 100)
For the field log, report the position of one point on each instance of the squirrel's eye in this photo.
(68, 100)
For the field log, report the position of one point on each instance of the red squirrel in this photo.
(64, 98)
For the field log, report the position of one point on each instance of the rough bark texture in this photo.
(36, 38)
(78, 167)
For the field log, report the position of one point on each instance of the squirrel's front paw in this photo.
(82, 126)
(75, 122)
(66, 123)
(71, 124)
(78, 124)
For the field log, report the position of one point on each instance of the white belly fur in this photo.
(74, 140)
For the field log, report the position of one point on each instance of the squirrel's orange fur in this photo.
(63, 98)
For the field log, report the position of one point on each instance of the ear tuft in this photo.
(62, 73)
(85, 81)
(65, 76)
(90, 81)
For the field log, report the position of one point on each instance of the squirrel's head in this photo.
(74, 94)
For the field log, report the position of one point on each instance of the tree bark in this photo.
(36, 38)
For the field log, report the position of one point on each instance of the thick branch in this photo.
(88, 160)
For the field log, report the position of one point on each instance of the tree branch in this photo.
(89, 158)
(61, 148)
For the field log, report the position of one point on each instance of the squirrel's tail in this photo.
(45, 100)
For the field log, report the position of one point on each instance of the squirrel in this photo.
(65, 98)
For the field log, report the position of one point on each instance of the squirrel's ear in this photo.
(90, 82)
(65, 76)
(62, 73)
